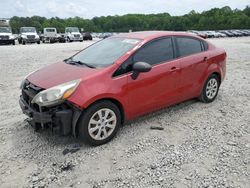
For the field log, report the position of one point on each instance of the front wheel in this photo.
(23, 42)
(99, 123)
(210, 89)
(68, 39)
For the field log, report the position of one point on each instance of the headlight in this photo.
(12, 37)
(37, 36)
(24, 36)
(56, 94)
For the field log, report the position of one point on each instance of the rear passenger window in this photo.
(155, 52)
(188, 46)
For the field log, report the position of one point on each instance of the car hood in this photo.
(60, 73)
(75, 33)
(29, 33)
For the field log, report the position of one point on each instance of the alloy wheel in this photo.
(102, 124)
(211, 88)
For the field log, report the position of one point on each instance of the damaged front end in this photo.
(61, 117)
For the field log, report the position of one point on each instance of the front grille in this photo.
(4, 37)
(77, 36)
(29, 92)
(31, 36)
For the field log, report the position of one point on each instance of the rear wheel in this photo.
(210, 89)
(99, 123)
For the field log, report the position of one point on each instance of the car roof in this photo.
(145, 35)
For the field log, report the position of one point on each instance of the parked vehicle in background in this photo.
(61, 37)
(105, 35)
(221, 34)
(28, 35)
(242, 32)
(227, 33)
(121, 78)
(87, 36)
(212, 34)
(94, 35)
(6, 36)
(235, 33)
(49, 35)
(199, 33)
(247, 31)
(73, 34)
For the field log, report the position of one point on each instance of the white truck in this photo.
(49, 35)
(6, 36)
(28, 35)
(73, 34)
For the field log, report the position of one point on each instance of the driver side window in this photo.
(158, 51)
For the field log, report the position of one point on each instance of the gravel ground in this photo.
(202, 145)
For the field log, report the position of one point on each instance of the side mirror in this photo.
(139, 67)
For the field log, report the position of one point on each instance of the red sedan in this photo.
(95, 91)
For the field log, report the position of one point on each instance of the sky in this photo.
(92, 8)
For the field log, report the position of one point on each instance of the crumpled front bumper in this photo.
(56, 117)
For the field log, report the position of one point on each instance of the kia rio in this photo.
(120, 78)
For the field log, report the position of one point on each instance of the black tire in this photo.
(205, 97)
(38, 42)
(13, 42)
(83, 123)
(23, 42)
(68, 39)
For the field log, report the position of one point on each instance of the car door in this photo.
(158, 87)
(193, 63)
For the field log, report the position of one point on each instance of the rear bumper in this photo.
(59, 117)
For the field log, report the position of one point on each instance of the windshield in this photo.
(5, 30)
(72, 29)
(28, 30)
(105, 52)
(51, 30)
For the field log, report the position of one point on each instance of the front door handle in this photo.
(174, 69)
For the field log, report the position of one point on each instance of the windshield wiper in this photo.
(73, 62)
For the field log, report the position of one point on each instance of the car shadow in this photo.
(34, 142)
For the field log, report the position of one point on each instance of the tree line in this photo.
(214, 19)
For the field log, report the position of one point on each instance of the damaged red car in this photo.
(120, 78)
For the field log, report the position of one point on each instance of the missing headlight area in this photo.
(58, 118)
